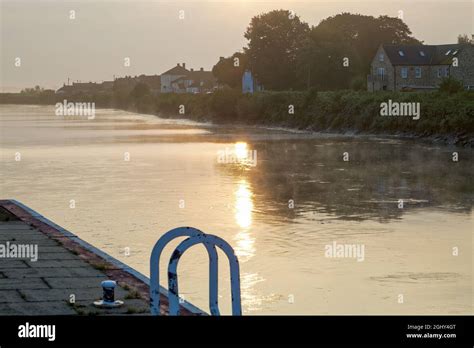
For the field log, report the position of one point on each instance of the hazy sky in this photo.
(93, 46)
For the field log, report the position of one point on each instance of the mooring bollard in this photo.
(108, 287)
(108, 295)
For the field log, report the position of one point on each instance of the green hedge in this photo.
(338, 111)
(440, 113)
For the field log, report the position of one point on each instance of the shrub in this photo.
(450, 85)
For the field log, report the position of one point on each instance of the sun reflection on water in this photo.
(243, 205)
(240, 150)
(245, 247)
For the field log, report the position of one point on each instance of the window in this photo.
(401, 53)
(422, 53)
(404, 73)
(381, 57)
(439, 72)
(446, 71)
(455, 52)
(381, 73)
(418, 72)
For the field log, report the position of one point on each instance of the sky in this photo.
(154, 36)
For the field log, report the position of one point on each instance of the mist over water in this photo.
(278, 215)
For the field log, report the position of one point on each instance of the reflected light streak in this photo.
(245, 243)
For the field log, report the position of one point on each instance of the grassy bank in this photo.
(441, 114)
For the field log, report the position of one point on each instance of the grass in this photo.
(442, 113)
(132, 295)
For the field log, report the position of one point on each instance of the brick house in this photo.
(420, 67)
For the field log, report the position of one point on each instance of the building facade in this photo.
(181, 80)
(420, 67)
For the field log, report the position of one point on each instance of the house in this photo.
(171, 75)
(249, 83)
(420, 67)
(181, 80)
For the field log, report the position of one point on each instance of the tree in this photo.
(327, 61)
(463, 39)
(350, 38)
(33, 91)
(229, 70)
(140, 90)
(275, 39)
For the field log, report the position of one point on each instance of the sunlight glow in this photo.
(241, 151)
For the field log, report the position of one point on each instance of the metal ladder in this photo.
(210, 241)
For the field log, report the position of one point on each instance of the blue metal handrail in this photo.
(155, 268)
(206, 239)
(195, 237)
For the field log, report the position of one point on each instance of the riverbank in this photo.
(435, 116)
(447, 118)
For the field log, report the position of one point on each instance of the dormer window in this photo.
(422, 53)
(401, 53)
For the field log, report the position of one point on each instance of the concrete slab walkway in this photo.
(65, 279)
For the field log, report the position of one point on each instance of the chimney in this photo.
(221, 58)
(178, 64)
(202, 69)
(192, 69)
(184, 65)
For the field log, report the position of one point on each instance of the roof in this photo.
(177, 70)
(422, 54)
(201, 75)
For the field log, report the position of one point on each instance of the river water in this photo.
(282, 199)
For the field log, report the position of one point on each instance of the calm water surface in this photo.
(278, 215)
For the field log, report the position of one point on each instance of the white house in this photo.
(171, 75)
(181, 80)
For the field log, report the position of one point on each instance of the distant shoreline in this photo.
(444, 118)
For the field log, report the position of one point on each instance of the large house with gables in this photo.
(181, 80)
(420, 67)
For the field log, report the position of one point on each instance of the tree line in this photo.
(285, 53)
